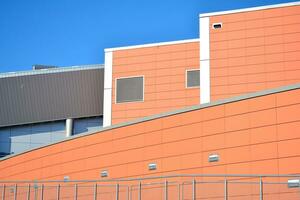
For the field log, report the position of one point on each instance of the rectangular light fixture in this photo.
(293, 183)
(152, 166)
(66, 178)
(213, 158)
(104, 173)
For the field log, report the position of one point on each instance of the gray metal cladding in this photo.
(130, 89)
(193, 78)
(51, 96)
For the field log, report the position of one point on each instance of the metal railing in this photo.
(173, 187)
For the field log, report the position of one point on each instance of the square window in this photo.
(192, 78)
(130, 89)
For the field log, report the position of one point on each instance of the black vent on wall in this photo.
(217, 25)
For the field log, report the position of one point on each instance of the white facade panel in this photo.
(107, 101)
(204, 61)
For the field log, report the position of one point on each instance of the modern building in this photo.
(210, 118)
(46, 104)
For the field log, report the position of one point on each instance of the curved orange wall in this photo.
(253, 136)
(164, 69)
(254, 51)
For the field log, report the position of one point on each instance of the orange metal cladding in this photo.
(164, 70)
(252, 136)
(254, 51)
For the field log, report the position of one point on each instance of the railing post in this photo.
(194, 190)
(166, 190)
(3, 192)
(261, 192)
(95, 191)
(58, 192)
(16, 191)
(140, 191)
(117, 191)
(127, 192)
(178, 191)
(35, 188)
(75, 191)
(182, 193)
(225, 189)
(42, 192)
(28, 192)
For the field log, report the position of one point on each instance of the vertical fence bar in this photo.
(95, 191)
(16, 191)
(127, 192)
(166, 190)
(140, 191)
(225, 189)
(194, 190)
(75, 191)
(261, 192)
(3, 192)
(58, 192)
(28, 192)
(117, 191)
(42, 192)
(182, 193)
(35, 188)
(178, 191)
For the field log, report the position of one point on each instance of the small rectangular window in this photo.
(192, 78)
(130, 89)
(217, 25)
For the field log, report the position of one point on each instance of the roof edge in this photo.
(52, 70)
(250, 9)
(170, 113)
(151, 44)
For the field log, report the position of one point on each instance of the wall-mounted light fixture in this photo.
(66, 178)
(293, 183)
(213, 158)
(152, 166)
(104, 173)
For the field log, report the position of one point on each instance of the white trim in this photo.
(204, 61)
(152, 45)
(218, 23)
(107, 97)
(128, 77)
(188, 70)
(250, 9)
(205, 82)
(204, 34)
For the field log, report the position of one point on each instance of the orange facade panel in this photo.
(251, 136)
(257, 49)
(164, 69)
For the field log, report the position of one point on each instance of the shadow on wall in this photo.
(16, 139)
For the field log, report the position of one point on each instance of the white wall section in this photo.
(107, 101)
(204, 61)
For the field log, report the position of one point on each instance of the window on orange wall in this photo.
(129, 89)
(192, 78)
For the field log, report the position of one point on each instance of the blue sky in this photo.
(75, 32)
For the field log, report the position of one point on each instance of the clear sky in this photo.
(75, 32)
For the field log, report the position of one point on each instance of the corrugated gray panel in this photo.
(193, 78)
(53, 96)
(130, 89)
